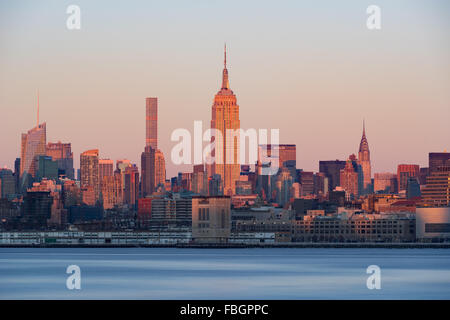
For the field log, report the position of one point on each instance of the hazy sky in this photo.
(310, 68)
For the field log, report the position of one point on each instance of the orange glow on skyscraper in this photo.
(225, 116)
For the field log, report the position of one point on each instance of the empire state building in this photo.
(225, 119)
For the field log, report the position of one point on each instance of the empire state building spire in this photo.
(225, 82)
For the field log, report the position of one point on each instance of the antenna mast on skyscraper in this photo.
(225, 55)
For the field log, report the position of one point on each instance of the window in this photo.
(223, 219)
(437, 227)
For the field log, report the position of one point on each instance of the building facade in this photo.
(332, 170)
(405, 171)
(151, 122)
(89, 174)
(211, 219)
(33, 146)
(226, 124)
(62, 154)
(364, 162)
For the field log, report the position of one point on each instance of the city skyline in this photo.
(328, 100)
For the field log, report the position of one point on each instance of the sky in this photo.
(311, 69)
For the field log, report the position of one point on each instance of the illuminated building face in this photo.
(225, 116)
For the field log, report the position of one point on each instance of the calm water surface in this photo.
(170, 273)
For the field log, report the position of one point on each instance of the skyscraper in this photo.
(131, 187)
(437, 159)
(405, 171)
(112, 190)
(160, 168)
(148, 171)
(332, 169)
(152, 159)
(7, 183)
(225, 119)
(287, 154)
(33, 146)
(437, 191)
(89, 172)
(364, 161)
(385, 182)
(47, 168)
(62, 153)
(105, 169)
(17, 174)
(349, 178)
(151, 122)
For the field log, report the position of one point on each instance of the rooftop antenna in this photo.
(225, 55)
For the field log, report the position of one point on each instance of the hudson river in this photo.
(269, 273)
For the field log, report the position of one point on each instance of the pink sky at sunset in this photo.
(315, 72)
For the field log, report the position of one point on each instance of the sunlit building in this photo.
(105, 168)
(364, 162)
(436, 193)
(200, 180)
(89, 176)
(405, 171)
(384, 182)
(349, 179)
(151, 123)
(131, 187)
(33, 146)
(225, 119)
(112, 190)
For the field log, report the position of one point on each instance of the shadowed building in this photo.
(7, 183)
(437, 159)
(148, 171)
(62, 154)
(131, 187)
(47, 168)
(332, 170)
(36, 208)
